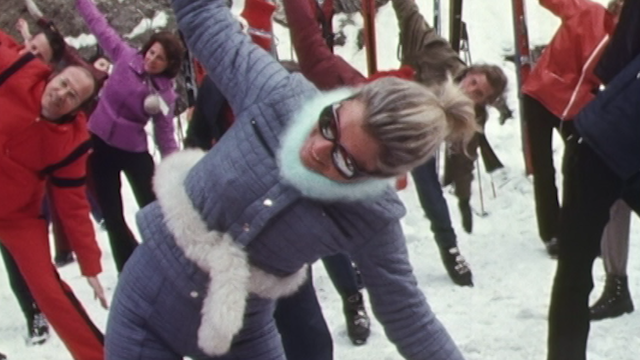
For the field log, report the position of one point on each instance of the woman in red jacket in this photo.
(559, 86)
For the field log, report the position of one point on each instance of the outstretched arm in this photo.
(23, 29)
(422, 48)
(68, 196)
(110, 41)
(244, 73)
(564, 9)
(414, 29)
(317, 62)
(397, 302)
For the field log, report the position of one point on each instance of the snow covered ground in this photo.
(504, 316)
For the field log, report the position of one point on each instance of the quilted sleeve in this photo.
(244, 72)
(397, 302)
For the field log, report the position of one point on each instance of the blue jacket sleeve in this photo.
(624, 45)
(244, 72)
(397, 302)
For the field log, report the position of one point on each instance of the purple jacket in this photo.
(119, 119)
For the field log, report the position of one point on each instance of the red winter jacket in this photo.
(563, 79)
(29, 145)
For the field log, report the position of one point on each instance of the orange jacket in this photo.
(29, 145)
(563, 79)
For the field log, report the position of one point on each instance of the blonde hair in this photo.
(411, 121)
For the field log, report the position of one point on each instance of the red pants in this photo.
(28, 243)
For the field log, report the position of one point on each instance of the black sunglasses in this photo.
(329, 126)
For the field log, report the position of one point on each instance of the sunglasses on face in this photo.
(329, 126)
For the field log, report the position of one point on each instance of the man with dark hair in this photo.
(44, 139)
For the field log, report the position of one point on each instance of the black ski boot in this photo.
(614, 301)
(3, 356)
(357, 319)
(38, 328)
(63, 258)
(552, 248)
(466, 214)
(456, 266)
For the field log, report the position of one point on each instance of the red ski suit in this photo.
(29, 146)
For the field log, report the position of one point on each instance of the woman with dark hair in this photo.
(140, 87)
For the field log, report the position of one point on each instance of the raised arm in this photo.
(422, 48)
(23, 29)
(408, 9)
(317, 62)
(398, 303)
(564, 9)
(244, 72)
(624, 45)
(110, 41)
(413, 26)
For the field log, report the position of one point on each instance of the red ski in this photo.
(369, 16)
(523, 68)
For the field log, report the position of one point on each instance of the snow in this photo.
(504, 316)
(159, 21)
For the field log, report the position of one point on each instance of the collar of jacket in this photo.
(231, 277)
(161, 82)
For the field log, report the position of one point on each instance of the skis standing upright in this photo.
(436, 17)
(369, 17)
(455, 24)
(190, 86)
(523, 68)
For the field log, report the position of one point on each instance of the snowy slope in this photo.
(504, 316)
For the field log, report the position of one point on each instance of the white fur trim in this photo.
(216, 253)
(272, 287)
(224, 304)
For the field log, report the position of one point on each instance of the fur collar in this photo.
(231, 277)
(309, 183)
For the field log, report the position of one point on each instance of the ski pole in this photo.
(180, 129)
(436, 16)
(493, 187)
(483, 212)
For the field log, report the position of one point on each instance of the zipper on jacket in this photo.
(583, 74)
(261, 138)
